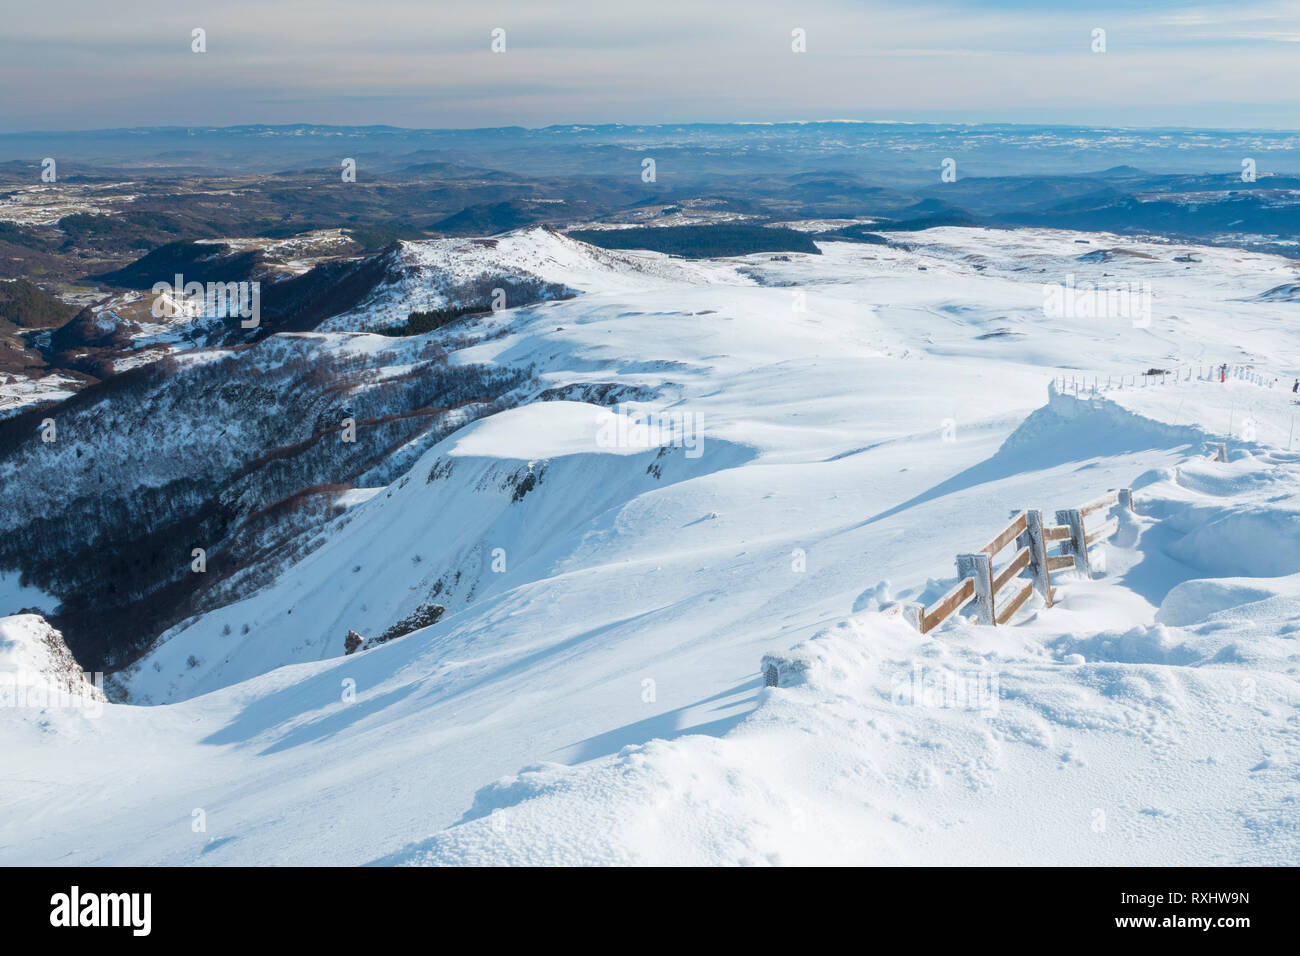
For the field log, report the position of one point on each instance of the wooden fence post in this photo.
(1078, 539)
(1037, 545)
(980, 567)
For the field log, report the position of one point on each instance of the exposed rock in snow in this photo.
(33, 653)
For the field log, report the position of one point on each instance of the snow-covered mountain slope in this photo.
(532, 264)
(499, 505)
(1149, 715)
(242, 453)
(857, 426)
(33, 655)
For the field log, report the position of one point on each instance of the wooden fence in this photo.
(998, 593)
(1079, 384)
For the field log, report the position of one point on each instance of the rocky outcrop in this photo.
(33, 653)
(423, 616)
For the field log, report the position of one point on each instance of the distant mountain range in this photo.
(690, 152)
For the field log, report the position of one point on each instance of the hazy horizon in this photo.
(629, 124)
(78, 66)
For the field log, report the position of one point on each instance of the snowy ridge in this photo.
(529, 264)
(877, 748)
(480, 513)
(1246, 408)
(860, 417)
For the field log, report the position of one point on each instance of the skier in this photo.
(1223, 373)
(1296, 386)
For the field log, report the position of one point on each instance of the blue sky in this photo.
(69, 64)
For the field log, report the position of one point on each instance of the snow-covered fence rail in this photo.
(998, 593)
(1091, 384)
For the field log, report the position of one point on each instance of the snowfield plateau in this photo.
(716, 460)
